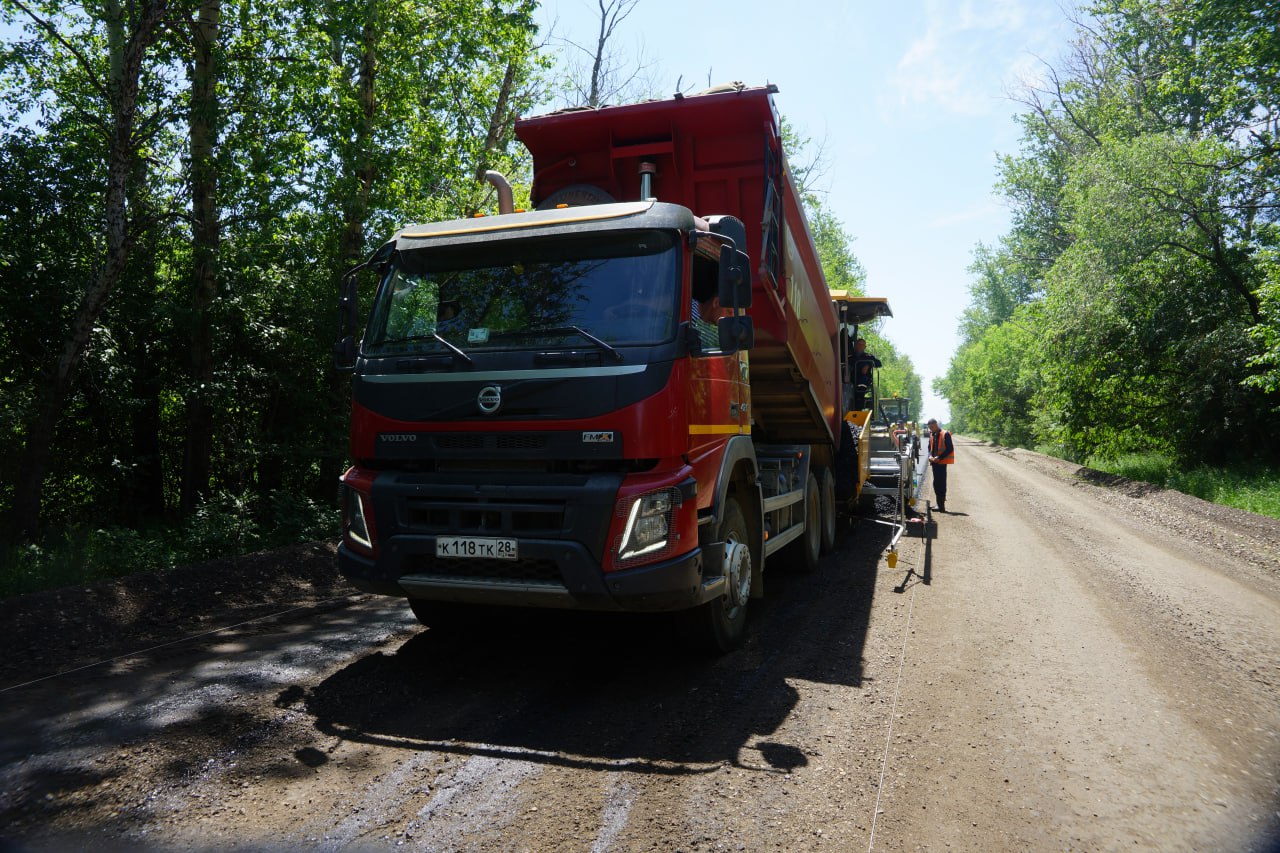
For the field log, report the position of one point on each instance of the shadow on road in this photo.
(167, 714)
(615, 692)
(579, 690)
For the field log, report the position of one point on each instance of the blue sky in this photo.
(912, 102)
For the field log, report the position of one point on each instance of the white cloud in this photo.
(969, 55)
(1002, 15)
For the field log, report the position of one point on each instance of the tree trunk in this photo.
(122, 159)
(144, 491)
(499, 124)
(197, 467)
(356, 208)
(362, 165)
(597, 61)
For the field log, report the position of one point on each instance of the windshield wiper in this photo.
(578, 330)
(458, 351)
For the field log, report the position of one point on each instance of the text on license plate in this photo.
(476, 546)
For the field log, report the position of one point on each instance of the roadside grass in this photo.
(224, 526)
(1255, 489)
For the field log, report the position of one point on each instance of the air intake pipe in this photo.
(506, 202)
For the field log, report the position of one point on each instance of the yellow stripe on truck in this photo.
(718, 429)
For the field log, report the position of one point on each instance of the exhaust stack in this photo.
(647, 171)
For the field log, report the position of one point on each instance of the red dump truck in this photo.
(628, 398)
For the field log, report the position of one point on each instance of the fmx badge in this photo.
(597, 438)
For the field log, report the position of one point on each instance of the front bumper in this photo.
(549, 573)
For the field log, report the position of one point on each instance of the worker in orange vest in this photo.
(942, 452)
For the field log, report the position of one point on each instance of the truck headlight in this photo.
(648, 524)
(357, 524)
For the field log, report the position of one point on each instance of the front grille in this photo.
(460, 441)
(528, 571)
(477, 518)
(490, 441)
(521, 441)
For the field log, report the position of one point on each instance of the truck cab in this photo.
(600, 403)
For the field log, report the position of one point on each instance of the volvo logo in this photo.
(397, 436)
(489, 399)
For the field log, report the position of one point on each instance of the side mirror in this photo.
(736, 333)
(735, 278)
(344, 351)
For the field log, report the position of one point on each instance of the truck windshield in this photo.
(531, 294)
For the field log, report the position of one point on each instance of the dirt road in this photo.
(1067, 665)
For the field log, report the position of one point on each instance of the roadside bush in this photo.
(1057, 451)
(1148, 467)
(297, 518)
(75, 556)
(1254, 488)
(223, 526)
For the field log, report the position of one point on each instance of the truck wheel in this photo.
(802, 554)
(827, 494)
(440, 615)
(725, 619)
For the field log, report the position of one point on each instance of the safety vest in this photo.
(937, 445)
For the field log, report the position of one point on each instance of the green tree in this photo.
(1266, 335)
(303, 132)
(1145, 210)
(1153, 301)
(840, 265)
(897, 377)
(206, 234)
(103, 64)
(993, 381)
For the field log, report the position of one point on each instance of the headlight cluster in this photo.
(648, 524)
(357, 524)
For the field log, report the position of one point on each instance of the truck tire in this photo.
(724, 621)
(802, 554)
(827, 494)
(846, 470)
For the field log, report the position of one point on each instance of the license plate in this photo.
(476, 547)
